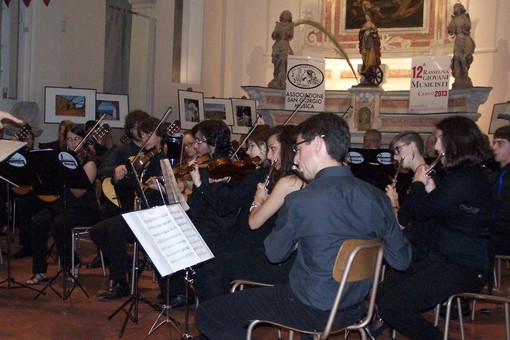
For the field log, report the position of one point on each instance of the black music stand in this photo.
(374, 166)
(173, 243)
(60, 170)
(130, 306)
(15, 169)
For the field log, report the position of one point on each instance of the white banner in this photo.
(430, 78)
(305, 77)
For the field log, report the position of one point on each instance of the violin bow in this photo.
(153, 131)
(296, 109)
(80, 145)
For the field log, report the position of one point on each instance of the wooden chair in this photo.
(356, 260)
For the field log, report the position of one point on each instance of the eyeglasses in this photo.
(76, 139)
(396, 149)
(189, 145)
(295, 146)
(200, 141)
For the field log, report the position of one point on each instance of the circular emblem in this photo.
(355, 157)
(305, 76)
(17, 160)
(67, 160)
(384, 158)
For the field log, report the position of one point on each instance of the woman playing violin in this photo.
(81, 209)
(188, 146)
(219, 209)
(250, 262)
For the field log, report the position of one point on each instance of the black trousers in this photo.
(55, 219)
(402, 297)
(111, 237)
(213, 277)
(226, 317)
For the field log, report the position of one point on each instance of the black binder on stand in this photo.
(57, 171)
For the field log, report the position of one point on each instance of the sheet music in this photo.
(8, 147)
(172, 188)
(169, 238)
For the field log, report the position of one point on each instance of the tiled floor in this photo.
(81, 317)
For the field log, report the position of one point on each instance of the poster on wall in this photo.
(430, 77)
(305, 84)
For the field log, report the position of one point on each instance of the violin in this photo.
(143, 158)
(227, 167)
(184, 169)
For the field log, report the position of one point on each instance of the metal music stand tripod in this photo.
(189, 273)
(130, 306)
(9, 234)
(12, 170)
(136, 297)
(61, 169)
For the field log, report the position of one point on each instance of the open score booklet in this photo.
(169, 238)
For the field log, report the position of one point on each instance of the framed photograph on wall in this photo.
(245, 115)
(191, 108)
(114, 106)
(77, 105)
(496, 122)
(218, 108)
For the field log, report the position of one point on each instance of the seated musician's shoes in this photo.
(176, 301)
(37, 278)
(116, 292)
(375, 328)
(23, 252)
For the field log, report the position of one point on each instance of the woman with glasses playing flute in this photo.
(461, 206)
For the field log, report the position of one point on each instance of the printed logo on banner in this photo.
(305, 84)
(305, 76)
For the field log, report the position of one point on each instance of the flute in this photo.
(434, 163)
(270, 173)
(394, 179)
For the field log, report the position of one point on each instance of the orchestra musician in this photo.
(461, 204)
(408, 150)
(315, 220)
(111, 235)
(113, 164)
(112, 167)
(249, 262)
(60, 143)
(81, 208)
(226, 198)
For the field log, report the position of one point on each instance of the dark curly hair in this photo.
(133, 117)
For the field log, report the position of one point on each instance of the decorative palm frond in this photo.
(331, 37)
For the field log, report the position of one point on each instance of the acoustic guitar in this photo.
(110, 189)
